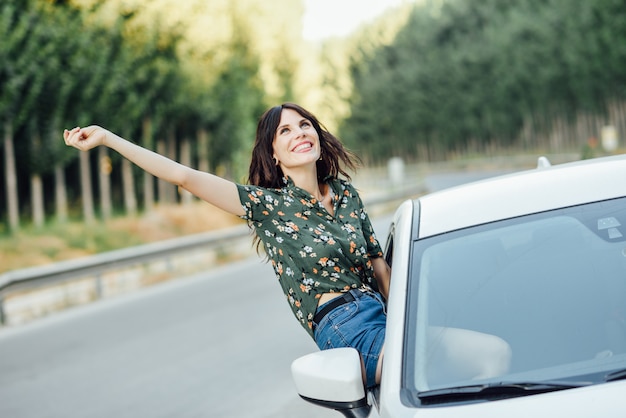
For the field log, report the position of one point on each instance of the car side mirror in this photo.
(332, 379)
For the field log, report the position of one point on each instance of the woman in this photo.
(312, 224)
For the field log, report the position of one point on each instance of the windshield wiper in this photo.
(616, 375)
(492, 391)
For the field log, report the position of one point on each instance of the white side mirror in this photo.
(332, 379)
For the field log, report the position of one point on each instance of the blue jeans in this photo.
(359, 324)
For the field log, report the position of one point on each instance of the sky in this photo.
(329, 18)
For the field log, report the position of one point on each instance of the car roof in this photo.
(526, 192)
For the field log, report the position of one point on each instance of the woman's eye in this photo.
(283, 131)
(305, 125)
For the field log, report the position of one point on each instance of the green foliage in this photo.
(464, 73)
(74, 63)
(238, 93)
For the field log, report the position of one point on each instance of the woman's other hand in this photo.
(86, 138)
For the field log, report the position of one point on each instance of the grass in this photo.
(62, 241)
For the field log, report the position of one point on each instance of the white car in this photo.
(534, 261)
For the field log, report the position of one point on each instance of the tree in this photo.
(22, 83)
(463, 75)
(239, 97)
(50, 90)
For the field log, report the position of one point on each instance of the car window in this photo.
(389, 250)
(552, 286)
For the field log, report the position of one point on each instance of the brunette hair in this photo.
(263, 169)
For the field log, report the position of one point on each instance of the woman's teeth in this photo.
(302, 147)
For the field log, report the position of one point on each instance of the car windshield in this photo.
(550, 288)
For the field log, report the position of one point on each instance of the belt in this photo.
(335, 303)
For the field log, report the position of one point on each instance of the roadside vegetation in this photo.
(506, 75)
(31, 247)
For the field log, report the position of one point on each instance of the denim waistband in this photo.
(326, 308)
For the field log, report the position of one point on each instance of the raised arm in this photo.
(211, 188)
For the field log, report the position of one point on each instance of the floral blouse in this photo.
(312, 252)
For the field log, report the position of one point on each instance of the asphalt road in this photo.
(212, 345)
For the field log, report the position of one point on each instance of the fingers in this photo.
(85, 138)
(73, 137)
(66, 134)
(88, 130)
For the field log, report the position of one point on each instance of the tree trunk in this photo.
(60, 194)
(36, 200)
(185, 158)
(11, 178)
(104, 179)
(171, 154)
(163, 186)
(203, 150)
(128, 185)
(130, 199)
(36, 189)
(148, 179)
(167, 148)
(86, 189)
(148, 191)
(617, 117)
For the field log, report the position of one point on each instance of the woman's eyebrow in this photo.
(286, 125)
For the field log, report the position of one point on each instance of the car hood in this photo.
(522, 193)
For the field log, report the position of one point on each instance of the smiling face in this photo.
(296, 142)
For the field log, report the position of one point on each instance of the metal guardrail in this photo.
(34, 277)
(64, 270)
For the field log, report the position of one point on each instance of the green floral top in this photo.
(312, 252)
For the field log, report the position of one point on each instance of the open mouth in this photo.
(303, 147)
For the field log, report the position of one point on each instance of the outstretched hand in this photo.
(86, 138)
